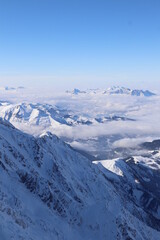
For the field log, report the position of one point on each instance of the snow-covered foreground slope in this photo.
(49, 191)
(139, 177)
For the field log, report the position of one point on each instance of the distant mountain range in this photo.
(116, 90)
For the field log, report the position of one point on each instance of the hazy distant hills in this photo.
(7, 88)
(115, 90)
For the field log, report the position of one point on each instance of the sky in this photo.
(80, 43)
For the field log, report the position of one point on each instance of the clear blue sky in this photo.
(80, 43)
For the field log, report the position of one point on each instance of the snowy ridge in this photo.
(49, 191)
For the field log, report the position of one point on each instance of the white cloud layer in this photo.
(145, 112)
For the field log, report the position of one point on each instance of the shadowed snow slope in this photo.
(49, 191)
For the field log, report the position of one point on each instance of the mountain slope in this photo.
(49, 191)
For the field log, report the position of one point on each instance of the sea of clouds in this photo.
(145, 111)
